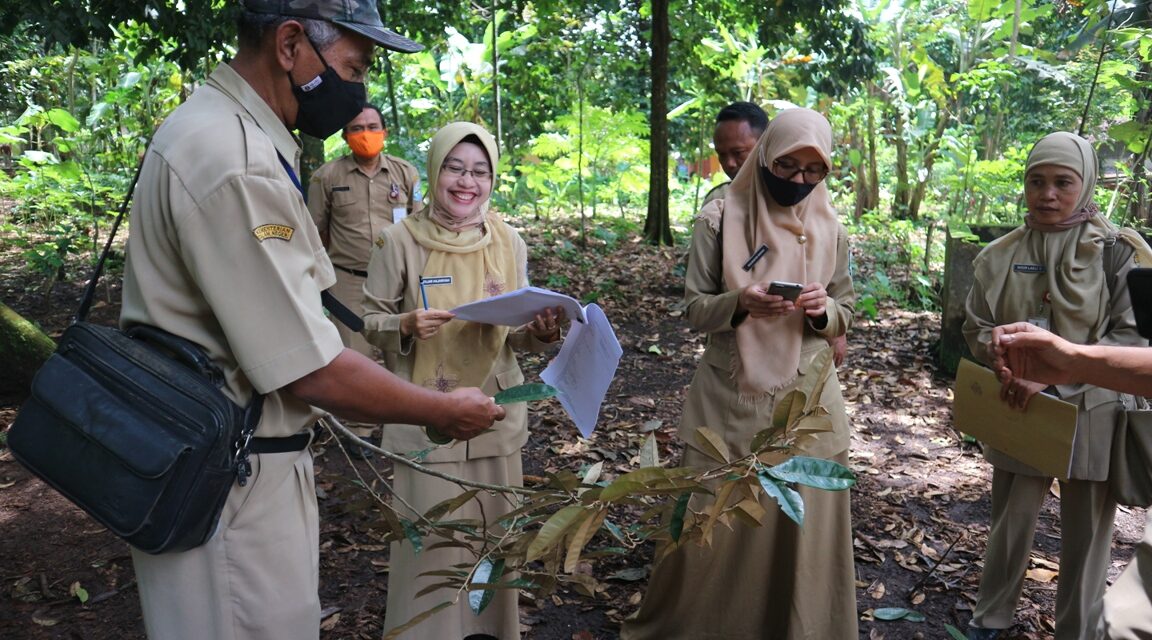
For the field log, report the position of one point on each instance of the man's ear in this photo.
(385, 130)
(289, 40)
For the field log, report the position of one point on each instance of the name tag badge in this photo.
(1040, 322)
(335, 189)
(1029, 268)
(432, 281)
(399, 213)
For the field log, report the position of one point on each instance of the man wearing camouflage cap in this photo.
(223, 253)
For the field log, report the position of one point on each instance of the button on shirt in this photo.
(354, 207)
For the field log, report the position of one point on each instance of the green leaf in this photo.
(525, 393)
(552, 531)
(898, 613)
(655, 349)
(955, 633)
(814, 472)
(487, 573)
(63, 120)
(789, 500)
(78, 592)
(413, 535)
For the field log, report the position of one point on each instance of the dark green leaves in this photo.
(525, 393)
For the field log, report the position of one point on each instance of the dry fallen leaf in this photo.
(1041, 575)
(876, 590)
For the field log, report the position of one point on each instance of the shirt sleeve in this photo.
(319, 200)
(250, 248)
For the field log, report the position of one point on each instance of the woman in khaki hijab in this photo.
(777, 580)
(452, 252)
(1064, 270)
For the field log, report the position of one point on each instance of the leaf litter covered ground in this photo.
(920, 508)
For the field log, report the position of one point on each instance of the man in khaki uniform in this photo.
(222, 252)
(1027, 351)
(352, 199)
(738, 128)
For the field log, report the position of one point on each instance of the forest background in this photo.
(604, 110)
(604, 113)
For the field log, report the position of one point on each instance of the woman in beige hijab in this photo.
(1064, 270)
(778, 580)
(452, 252)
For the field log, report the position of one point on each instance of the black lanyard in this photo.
(334, 306)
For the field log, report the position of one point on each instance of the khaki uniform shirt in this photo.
(712, 399)
(354, 207)
(222, 251)
(717, 193)
(1098, 407)
(393, 288)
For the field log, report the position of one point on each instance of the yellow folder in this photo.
(1040, 437)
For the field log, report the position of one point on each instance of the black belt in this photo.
(355, 272)
(298, 442)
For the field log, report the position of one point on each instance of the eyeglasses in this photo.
(458, 170)
(787, 169)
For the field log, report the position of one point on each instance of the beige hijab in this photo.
(479, 254)
(1054, 272)
(768, 349)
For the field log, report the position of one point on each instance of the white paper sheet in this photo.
(584, 368)
(519, 307)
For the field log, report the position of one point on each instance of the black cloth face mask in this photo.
(786, 193)
(327, 102)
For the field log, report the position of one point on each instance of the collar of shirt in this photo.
(234, 86)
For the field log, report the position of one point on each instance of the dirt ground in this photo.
(920, 508)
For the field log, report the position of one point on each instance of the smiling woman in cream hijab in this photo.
(452, 252)
(776, 222)
(1064, 269)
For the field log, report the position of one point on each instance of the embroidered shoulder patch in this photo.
(277, 231)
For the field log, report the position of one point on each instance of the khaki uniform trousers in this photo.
(257, 578)
(349, 290)
(777, 581)
(1128, 603)
(1086, 521)
(501, 618)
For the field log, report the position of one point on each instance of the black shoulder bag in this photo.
(134, 427)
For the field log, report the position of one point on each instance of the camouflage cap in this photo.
(360, 16)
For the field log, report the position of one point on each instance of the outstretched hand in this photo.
(1023, 351)
(471, 412)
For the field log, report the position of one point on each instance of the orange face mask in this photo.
(366, 143)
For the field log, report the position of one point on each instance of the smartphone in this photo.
(1140, 291)
(790, 290)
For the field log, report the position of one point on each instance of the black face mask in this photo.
(328, 102)
(785, 192)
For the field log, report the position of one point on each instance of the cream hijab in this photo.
(1055, 272)
(801, 242)
(478, 253)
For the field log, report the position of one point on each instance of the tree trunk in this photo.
(311, 157)
(23, 348)
(389, 73)
(496, 78)
(942, 120)
(873, 169)
(903, 189)
(658, 225)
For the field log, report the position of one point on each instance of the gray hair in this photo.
(252, 27)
